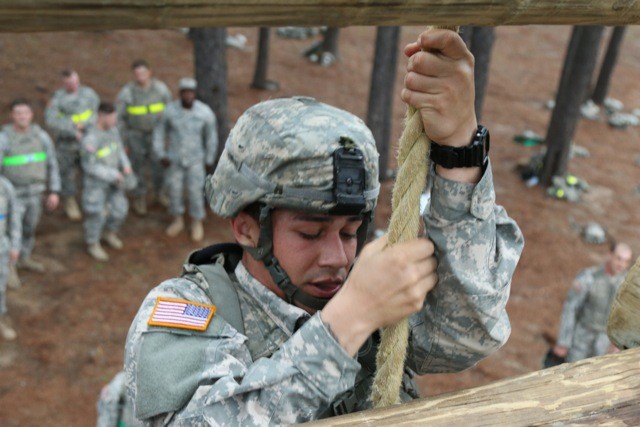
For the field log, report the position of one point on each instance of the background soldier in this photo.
(106, 167)
(114, 409)
(28, 160)
(140, 105)
(9, 249)
(185, 141)
(69, 113)
(583, 326)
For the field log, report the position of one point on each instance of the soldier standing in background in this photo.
(9, 249)
(106, 167)
(69, 113)
(583, 327)
(28, 160)
(185, 141)
(140, 105)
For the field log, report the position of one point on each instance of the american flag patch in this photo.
(176, 313)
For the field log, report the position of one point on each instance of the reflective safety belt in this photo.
(82, 117)
(141, 110)
(105, 151)
(23, 159)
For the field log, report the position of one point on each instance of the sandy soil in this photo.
(72, 321)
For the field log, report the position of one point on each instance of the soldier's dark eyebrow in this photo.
(322, 218)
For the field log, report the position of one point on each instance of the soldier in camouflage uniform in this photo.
(299, 180)
(185, 141)
(583, 325)
(71, 111)
(140, 105)
(10, 230)
(28, 160)
(114, 409)
(105, 166)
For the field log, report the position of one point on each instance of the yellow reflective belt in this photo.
(158, 107)
(141, 110)
(105, 151)
(82, 117)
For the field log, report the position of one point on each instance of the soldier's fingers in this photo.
(446, 42)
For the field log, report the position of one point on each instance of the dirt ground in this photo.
(72, 321)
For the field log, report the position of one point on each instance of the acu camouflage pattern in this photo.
(288, 143)
(103, 201)
(189, 139)
(29, 180)
(137, 131)
(274, 375)
(58, 118)
(585, 313)
(10, 232)
(114, 409)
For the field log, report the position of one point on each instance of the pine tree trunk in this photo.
(211, 74)
(260, 80)
(602, 85)
(481, 47)
(576, 77)
(383, 76)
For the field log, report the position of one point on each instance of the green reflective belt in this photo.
(23, 159)
(105, 151)
(141, 110)
(82, 117)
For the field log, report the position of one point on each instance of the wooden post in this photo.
(596, 391)
(74, 15)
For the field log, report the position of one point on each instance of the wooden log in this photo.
(623, 326)
(596, 391)
(66, 15)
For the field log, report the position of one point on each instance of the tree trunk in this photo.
(576, 77)
(383, 76)
(211, 74)
(480, 41)
(602, 85)
(260, 80)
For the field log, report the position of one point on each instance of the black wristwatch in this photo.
(474, 154)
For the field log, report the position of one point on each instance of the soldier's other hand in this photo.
(385, 285)
(439, 82)
(52, 201)
(127, 170)
(119, 180)
(165, 162)
(13, 256)
(560, 351)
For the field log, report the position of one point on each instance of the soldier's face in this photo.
(22, 116)
(316, 250)
(71, 83)
(619, 260)
(108, 120)
(187, 96)
(142, 75)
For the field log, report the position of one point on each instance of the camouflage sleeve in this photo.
(123, 160)
(15, 221)
(90, 164)
(165, 92)
(576, 297)
(160, 134)
(122, 100)
(109, 402)
(294, 385)
(59, 123)
(477, 246)
(94, 103)
(210, 137)
(52, 163)
(4, 146)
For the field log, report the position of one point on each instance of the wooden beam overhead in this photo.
(76, 15)
(597, 391)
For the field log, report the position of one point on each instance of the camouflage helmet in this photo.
(296, 153)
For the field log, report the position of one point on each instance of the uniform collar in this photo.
(286, 316)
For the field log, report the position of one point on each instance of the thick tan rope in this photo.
(413, 164)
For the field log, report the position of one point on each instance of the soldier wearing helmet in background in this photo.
(140, 105)
(28, 160)
(71, 111)
(282, 327)
(186, 141)
(583, 325)
(107, 174)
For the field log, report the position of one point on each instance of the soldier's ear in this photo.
(246, 229)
